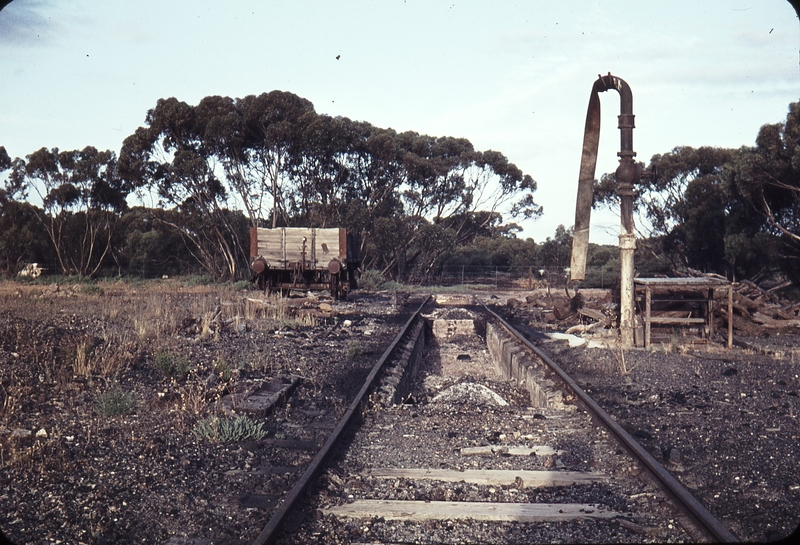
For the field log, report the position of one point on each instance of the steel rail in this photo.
(270, 531)
(701, 516)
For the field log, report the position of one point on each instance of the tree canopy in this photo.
(729, 211)
(225, 163)
(422, 203)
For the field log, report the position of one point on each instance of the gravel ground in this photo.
(723, 421)
(460, 402)
(73, 473)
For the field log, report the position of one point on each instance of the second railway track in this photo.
(475, 436)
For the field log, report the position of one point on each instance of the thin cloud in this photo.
(23, 24)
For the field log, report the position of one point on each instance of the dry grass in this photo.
(113, 356)
(277, 312)
(83, 365)
(194, 397)
(153, 318)
(10, 405)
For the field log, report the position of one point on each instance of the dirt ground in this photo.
(101, 390)
(102, 387)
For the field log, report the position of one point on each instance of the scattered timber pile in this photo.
(757, 311)
(311, 305)
(587, 311)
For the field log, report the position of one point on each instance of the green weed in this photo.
(229, 430)
(115, 402)
(224, 370)
(173, 367)
(353, 350)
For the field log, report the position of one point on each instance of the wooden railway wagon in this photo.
(305, 258)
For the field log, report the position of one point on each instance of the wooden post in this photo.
(710, 313)
(647, 299)
(730, 315)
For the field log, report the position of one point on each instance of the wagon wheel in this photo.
(334, 286)
(272, 284)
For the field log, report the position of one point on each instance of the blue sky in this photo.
(510, 76)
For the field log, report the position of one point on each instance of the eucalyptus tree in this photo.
(450, 182)
(686, 206)
(369, 200)
(24, 239)
(697, 211)
(260, 167)
(177, 156)
(320, 172)
(317, 170)
(767, 178)
(81, 195)
(5, 160)
(346, 173)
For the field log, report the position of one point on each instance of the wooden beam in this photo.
(452, 510)
(495, 477)
(673, 320)
(537, 450)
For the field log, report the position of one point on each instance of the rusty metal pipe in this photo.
(627, 174)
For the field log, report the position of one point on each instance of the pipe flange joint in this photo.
(625, 190)
(627, 173)
(606, 81)
(626, 121)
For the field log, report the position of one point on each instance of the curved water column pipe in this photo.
(628, 173)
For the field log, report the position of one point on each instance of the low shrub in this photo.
(229, 430)
(241, 285)
(197, 280)
(391, 285)
(91, 289)
(173, 367)
(371, 280)
(115, 402)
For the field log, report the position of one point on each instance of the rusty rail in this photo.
(698, 513)
(270, 531)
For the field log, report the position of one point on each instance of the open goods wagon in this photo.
(305, 258)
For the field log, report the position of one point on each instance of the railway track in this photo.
(465, 432)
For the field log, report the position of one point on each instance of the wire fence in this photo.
(533, 276)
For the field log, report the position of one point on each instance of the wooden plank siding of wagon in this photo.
(330, 243)
(283, 246)
(293, 247)
(270, 245)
